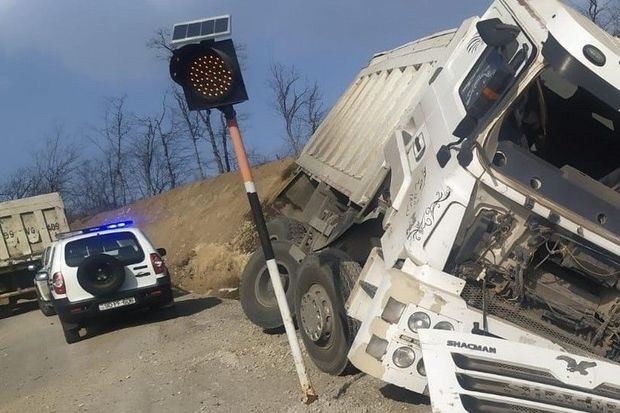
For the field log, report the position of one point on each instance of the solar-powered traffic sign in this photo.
(199, 30)
(206, 67)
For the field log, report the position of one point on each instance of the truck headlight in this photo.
(444, 325)
(403, 357)
(419, 320)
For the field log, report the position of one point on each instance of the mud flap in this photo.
(472, 373)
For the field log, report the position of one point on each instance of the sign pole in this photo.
(309, 395)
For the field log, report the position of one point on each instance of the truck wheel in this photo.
(256, 294)
(282, 228)
(101, 274)
(324, 284)
(46, 308)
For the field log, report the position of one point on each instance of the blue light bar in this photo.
(114, 225)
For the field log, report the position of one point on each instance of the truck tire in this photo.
(324, 284)
(256, 292)
(101, 274)
(282, 228)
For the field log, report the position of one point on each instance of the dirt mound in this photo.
(205, 226)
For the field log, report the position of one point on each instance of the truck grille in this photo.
(501, 386)
(529, 319)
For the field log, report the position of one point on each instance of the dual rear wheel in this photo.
(316, 286)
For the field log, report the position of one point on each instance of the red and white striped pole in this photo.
(309, 395)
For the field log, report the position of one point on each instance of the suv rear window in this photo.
(121, 245)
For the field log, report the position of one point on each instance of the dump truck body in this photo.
(28, 226)
(346, 151)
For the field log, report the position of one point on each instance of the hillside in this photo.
(205, 226)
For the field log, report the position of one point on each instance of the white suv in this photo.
(97, 271)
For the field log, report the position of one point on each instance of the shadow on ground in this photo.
(403, 395)
(183, 307)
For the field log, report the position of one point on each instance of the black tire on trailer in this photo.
(282, 228)
(101, 274)
(256, 293)
(324, 284)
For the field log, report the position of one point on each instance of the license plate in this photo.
(118, 303)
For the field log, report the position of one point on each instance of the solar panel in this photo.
(199, 30)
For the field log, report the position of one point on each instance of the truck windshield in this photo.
(121, 245)
(568, 127)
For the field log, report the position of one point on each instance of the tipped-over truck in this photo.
(453, 225)
(29, 226)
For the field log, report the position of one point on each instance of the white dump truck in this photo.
(28, 226)
(453, 226)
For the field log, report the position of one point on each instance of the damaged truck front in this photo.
(465, 182)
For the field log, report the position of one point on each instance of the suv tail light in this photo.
(58, 282)
(158, 264)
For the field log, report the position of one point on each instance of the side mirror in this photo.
(465, 127)
(496, 33)
(32, 267)
(161, 252)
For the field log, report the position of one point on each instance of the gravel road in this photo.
(208, 358)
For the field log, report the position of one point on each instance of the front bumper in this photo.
(483, 374)
(75, 312)
(385, 298)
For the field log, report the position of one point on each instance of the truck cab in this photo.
(507, 225)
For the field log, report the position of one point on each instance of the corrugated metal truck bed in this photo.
(346, 152)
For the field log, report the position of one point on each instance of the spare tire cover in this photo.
(101, 274)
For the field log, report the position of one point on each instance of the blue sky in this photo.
(60, 59)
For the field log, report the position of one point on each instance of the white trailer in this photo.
(28, 225)
(465, 182)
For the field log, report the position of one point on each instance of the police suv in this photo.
(101, 270)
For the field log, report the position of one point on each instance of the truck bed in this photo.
(29, 225)
(346, 151)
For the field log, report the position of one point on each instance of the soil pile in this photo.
(205, 226)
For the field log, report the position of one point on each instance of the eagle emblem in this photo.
(573, 367)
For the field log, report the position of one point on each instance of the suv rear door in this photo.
(127, 246)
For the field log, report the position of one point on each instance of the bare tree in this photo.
(192, 127)
(51, 169)
(92, 193)
(605, 13)
(299, 103)
(159, 43)
(223, 134)
(171, 149)
(211, 137)
(55, 164)
(149, 166)
(20, 184)
(112, 140)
